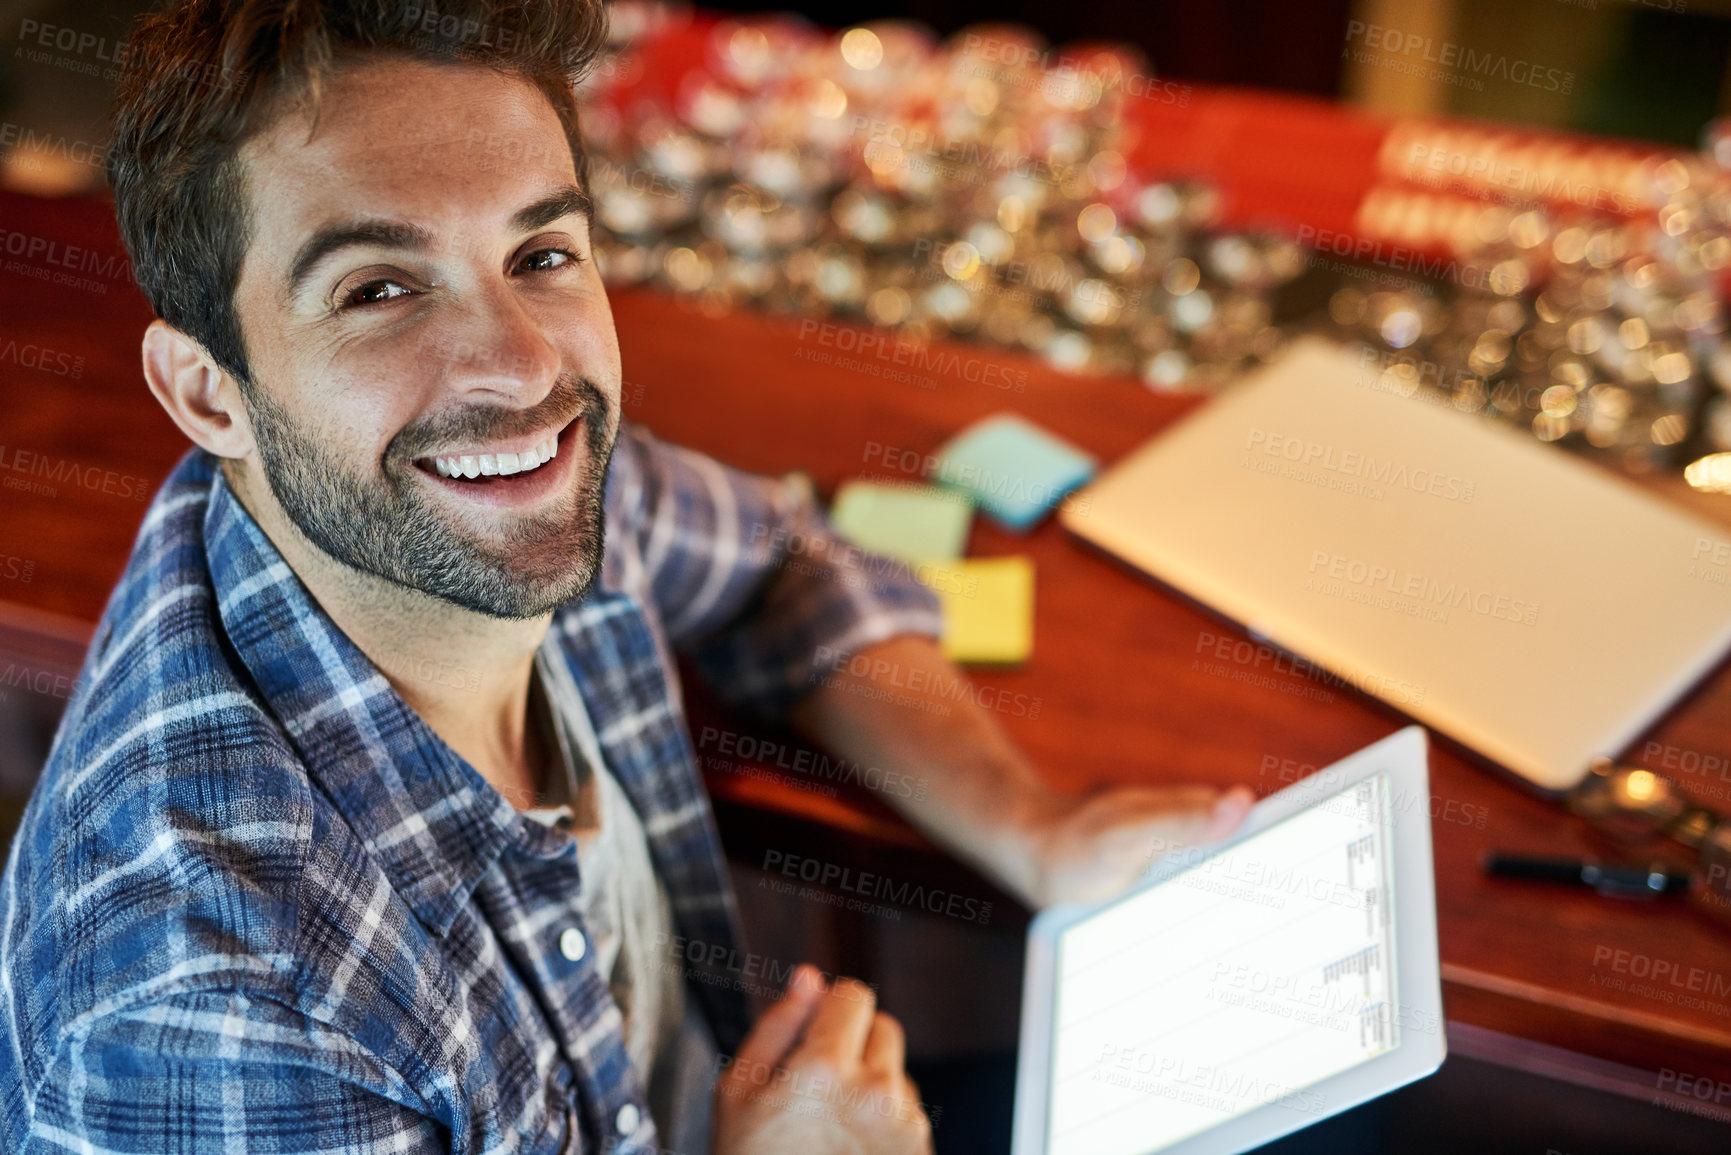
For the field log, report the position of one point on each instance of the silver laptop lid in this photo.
(1530, 605)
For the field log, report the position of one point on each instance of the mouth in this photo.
(505, 473)
(501, 464)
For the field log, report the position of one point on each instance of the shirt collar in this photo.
(430, 820)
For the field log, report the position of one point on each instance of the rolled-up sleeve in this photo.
(752, 582)
(218, 1072)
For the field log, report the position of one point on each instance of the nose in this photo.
(502, 348)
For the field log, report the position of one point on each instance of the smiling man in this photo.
(375, 799)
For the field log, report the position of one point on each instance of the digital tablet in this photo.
(1244, 990)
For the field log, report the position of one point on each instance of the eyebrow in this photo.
(386, 234)
(561, 203)
(349, 234)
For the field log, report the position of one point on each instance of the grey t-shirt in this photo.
(627, 912)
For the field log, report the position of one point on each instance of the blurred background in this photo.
(1482, 191)
(1650, 69)
(1521, 207)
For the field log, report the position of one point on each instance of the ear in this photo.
(197, 393)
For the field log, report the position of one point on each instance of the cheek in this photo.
(367, 420)
(586, 333)
(341, 371)
(353, 397)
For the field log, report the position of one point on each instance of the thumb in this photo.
(1208, 816)
(780, 1026)
(1230, 810)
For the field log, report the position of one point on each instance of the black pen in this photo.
(1615, 880)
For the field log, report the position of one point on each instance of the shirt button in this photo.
(572, 944)
(628, 1118)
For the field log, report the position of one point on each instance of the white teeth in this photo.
(497, 464)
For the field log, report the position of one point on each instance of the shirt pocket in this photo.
(562, 1134)
(571, 1143)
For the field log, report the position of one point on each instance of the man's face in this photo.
(419, 304)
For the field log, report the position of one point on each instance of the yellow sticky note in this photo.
(988, 607)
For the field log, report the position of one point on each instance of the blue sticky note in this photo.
(1013, 469)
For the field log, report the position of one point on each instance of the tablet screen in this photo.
(1242, 980)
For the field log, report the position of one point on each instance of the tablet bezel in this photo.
(1422, 1047)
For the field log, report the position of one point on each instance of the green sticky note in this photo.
(911, 522)
(988, 607)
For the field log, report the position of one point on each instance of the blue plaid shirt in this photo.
(257, 905)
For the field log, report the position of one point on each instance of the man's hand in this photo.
(980, 797)
(1092, 846)
(821, 1074)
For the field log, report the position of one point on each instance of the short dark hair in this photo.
(202, 76)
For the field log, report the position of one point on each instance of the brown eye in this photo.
(545, 260)
(375, 292)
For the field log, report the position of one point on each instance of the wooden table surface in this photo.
(1126, 675)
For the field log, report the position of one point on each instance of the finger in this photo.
(925, 1135)
(1230, 810)
(1127, 811)
(1190, 815)
(885, 1052)
(838, 1030)
(912, 1090)
(778, 1028)
(917, 1110)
